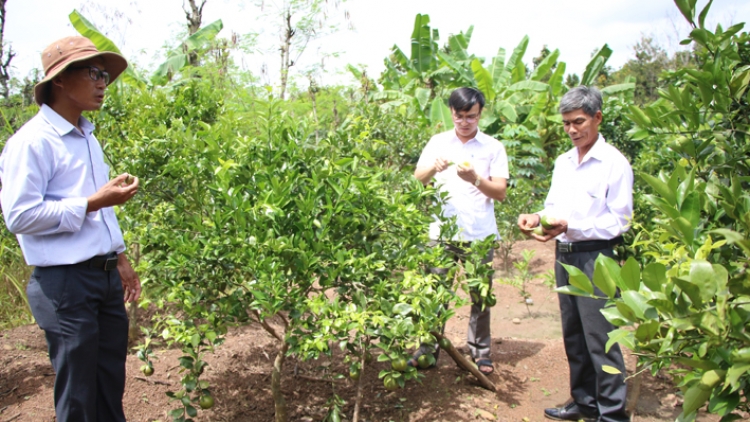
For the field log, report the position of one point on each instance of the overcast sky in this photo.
(576, 27)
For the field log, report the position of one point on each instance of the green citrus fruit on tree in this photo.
(354, 372)
(368, 357)
(399, 364)
(206, 402)
(490, 300)
(147, 370)
(425, 361)
(445, 343)
(390, 383)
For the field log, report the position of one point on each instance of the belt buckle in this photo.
(110, 264)
(565, 247)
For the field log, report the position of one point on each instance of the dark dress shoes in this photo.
(569, 412)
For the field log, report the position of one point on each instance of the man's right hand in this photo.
(441, 164)
(115, 192)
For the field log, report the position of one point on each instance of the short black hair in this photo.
(463, 99)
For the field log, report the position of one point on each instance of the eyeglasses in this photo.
(467, 119)
(95, 73)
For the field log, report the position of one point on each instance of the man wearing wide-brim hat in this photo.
(57, 198)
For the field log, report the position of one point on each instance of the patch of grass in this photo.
(14, 275)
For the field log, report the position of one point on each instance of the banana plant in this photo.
(178, 58)
(102, 43)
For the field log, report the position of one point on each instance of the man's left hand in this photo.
(131, 284)
(466, 172)
(560, 226)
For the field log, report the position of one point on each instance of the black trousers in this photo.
(82, 313)
(585, 334)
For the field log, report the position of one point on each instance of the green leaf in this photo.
(611, 370)
(595, 65)
(631, 275)
(691, 208)
(605, 275)
(423, 97)
(518, 53)
(691, 290)
(636, 301)
(687, 8)
(655, 276)
(723, 404)
(508, 111)
(102, 43)
(545, 66)
(704, 12)
(578, 279)
(624, 337)
(661, 188)
(573, 291)
(421, 44)
(618, 88)
(695, 397)
(684, 227)
(529, 86)
(702, 275)
(483, 79)
(204, 36)
(440, 114)
(497, 68)
(733, 376)
(403, 309)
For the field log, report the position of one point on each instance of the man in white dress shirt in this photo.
(590, 204)
(57, 199)
(472, 168)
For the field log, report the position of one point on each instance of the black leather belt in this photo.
(103, 262)
(588, 245)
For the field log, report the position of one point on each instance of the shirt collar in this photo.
(478, 137)
(62, 126)
(597, 151)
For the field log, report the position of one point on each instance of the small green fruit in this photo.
(147, 370)
(490, 300)
(426, 360)
(206, 402)
(548, 222)
(390, 383)
(399, 365)
(445, 343)
(354, 372)
(538, 231)
(368, 357)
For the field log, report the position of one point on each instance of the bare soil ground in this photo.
(531, 373)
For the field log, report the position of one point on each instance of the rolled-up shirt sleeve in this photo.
(25, 170)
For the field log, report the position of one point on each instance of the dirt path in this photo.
(531, 374)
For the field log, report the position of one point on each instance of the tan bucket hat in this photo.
(61, 53)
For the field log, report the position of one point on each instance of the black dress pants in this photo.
(82, 313)
(585, 334)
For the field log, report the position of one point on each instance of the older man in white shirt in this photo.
(589, 207)
(472, 168)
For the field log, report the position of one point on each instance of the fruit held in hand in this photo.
(129, 180)
(548, 222)
(538, 231)
(466, 164)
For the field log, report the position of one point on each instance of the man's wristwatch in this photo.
(478, 181)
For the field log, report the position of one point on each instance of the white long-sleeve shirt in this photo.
(48, 170)
(475, 212)
(595, 196)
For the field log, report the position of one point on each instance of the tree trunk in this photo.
(278, 395)
(286, 47)
(194, 17)
(133, 307)
(360, 382)
(5, 56)
(464, 363)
